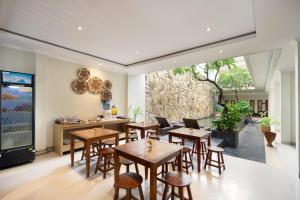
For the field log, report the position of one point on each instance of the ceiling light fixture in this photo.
(175, 61)
(220, 51)
(100, 64)
(136, 52)
(79, 28)
(208, 29)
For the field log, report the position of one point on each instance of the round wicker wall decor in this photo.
(78, 86)
(83, 74)
(95, 85)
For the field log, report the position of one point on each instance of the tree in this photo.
(209, 72)
(235, 79)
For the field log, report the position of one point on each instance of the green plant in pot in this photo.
(135, 112)
(245, 110)
(265, 125)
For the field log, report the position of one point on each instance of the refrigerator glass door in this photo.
(16, 116)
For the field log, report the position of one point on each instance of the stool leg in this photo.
(193, 148)
(186, 163)
(104, 170)
(172, 193)
(127, 168)
(219, 163)
(203, 149)
(222, 160)
(191, 161)
(206, 161)
(83, 152)
(116, 195)
(97, 164)
(164, 197)
(136, 168)
(180, 189)
(189, 192)
(128, 194)
(141, 192)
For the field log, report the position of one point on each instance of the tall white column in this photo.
(297, 100)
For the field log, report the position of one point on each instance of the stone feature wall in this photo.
(177, 97)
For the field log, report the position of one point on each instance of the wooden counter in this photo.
(61, 132)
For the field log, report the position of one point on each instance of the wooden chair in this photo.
(129, 181)
(109, 143)
(203, 148)
(179, 180)
(209, 160)
(187, 159)
(127, 163)
(107, 155)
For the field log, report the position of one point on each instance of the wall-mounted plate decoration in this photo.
(78, 86)
(95, 85)
(106, 95)
(107, 85)
(83, 74)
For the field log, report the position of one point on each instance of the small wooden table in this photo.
(160, 153)
(142, 126)
(90, 136)
(193, 135)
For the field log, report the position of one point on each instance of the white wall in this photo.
(54, 96)
(136, 93)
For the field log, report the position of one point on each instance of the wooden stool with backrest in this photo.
(220, 162)
(180, 180)
(128, 181)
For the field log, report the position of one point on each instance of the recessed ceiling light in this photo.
(208, 29)
(220, 51)
(100, 64)
(79, 28)
(175, 61)
(137, 52)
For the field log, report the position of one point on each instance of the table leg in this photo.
(87, 157)
(117, 165)
(179, 160)
(199, 154)
(127, 133)
(153, 182)
(157, 129)
(209, 140)
(72, 150)
(142, 133)
(117, 140)
(170, 138)
(146, 173)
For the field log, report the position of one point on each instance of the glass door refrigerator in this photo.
(17, 118)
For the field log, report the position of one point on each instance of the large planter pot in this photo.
(230, 137)
(265, 129)
(270, 137)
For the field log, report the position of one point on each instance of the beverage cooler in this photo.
(17, 118)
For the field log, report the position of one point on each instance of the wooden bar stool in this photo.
(129, 181)
(180, 180)
(127, 163)
(107, 165)
(151, 132)
(132, 135)
(176, 141)
(165, 167)
(109, 143)
(94, 150)
(209, 160)
(187, 159)
(203, 148)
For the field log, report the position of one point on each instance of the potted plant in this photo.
(245, 111)
(136, 111)
(265, 125)
(226, 124)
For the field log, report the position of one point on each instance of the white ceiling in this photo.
(115, 30)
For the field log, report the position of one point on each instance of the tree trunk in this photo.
(236, 96)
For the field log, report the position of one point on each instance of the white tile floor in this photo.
(51, 177)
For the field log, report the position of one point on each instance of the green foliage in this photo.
(245, 109)
(135, 111)
(267, 121)
(236, 78)
(181, 70)
(230, 116)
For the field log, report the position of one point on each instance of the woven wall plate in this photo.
(107, 85)
(83, 74)
(78, 86)
(95, 85)
(106, 95)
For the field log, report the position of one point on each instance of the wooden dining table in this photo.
(192, 135)
(157, 155)
(90, 136)
(142, 126)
